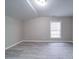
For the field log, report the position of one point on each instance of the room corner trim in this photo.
(13, 45)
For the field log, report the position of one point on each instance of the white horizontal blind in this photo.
(55, 29)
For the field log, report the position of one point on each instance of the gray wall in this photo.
(38, 29)
(13, 31)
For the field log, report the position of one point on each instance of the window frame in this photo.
(60, 30)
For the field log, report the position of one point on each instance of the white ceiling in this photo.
(28, 9)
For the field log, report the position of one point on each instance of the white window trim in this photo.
(59, 32)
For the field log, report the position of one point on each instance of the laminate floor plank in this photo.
(29, 50)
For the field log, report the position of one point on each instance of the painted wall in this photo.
(13, 31)
(38, 29)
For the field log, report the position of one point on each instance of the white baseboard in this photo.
(36, 41)
(51, 41)
(13, 45)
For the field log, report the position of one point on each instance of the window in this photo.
(55, 29)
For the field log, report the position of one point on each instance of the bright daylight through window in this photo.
(55, 29)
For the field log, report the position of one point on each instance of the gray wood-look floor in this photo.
(40, 51)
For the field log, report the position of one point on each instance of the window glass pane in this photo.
(55, 29)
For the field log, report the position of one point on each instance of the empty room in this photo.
(38, 29)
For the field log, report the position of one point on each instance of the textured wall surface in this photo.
(38, 29)
(13, 31)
